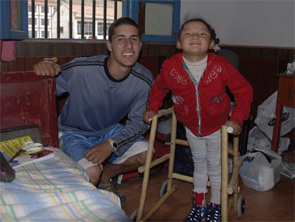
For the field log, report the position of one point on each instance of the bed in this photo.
(56, 189)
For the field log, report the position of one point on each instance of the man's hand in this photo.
(47, 67)
(148, 115)
(99, 153)
(236, 127)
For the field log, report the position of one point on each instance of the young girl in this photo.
(197, 79)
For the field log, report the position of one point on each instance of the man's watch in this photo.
(114, 144)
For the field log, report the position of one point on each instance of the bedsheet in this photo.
(56, 189)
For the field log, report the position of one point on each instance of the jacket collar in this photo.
(178, 56)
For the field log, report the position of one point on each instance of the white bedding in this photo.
(56, 189)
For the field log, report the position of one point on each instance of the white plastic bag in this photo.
(266, 115)
(261, 169)
(257, 139)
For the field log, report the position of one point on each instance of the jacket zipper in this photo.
(198, 108)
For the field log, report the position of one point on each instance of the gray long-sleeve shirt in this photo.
(97, 102)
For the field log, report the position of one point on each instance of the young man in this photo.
(102, 91)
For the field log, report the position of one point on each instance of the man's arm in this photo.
(134, 128)
(99, 153)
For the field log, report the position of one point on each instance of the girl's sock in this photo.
(200, 198)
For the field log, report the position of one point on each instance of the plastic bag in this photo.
(261, 169)
(266, 115)
(257, 139)
(288, 169)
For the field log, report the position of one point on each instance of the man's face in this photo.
(124, 46)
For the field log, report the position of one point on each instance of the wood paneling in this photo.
(60, 48)
(27, 63)
(151, 62)
(272, 53)
(261, 74)
(258, 64)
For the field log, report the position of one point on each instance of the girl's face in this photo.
(195, 41)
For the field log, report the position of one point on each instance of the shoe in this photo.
(197, 213)
(213, 213)
(109, 186)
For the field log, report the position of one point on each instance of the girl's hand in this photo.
(236, 127)
(148, 115)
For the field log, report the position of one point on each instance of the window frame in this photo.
(131, 9)
(5, 31)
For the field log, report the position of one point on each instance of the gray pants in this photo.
(206, 153)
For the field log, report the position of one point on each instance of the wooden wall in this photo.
(259, 65)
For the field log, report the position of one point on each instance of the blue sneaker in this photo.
(213, 213)
(197, 213)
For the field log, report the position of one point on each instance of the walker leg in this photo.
(147, 167)
(224, 174)
(235, 163)
(172, 151)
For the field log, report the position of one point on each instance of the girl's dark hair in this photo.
(122, 21)
(210, 28)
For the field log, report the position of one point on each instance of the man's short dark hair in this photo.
(122, 21)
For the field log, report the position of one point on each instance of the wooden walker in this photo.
(167, 189)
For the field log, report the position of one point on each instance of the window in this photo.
(13, 19)
(100, 27)
(87, 19)
(158, 20)
(79, 18)
(87, 28)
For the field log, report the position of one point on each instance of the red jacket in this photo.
(203, 108)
